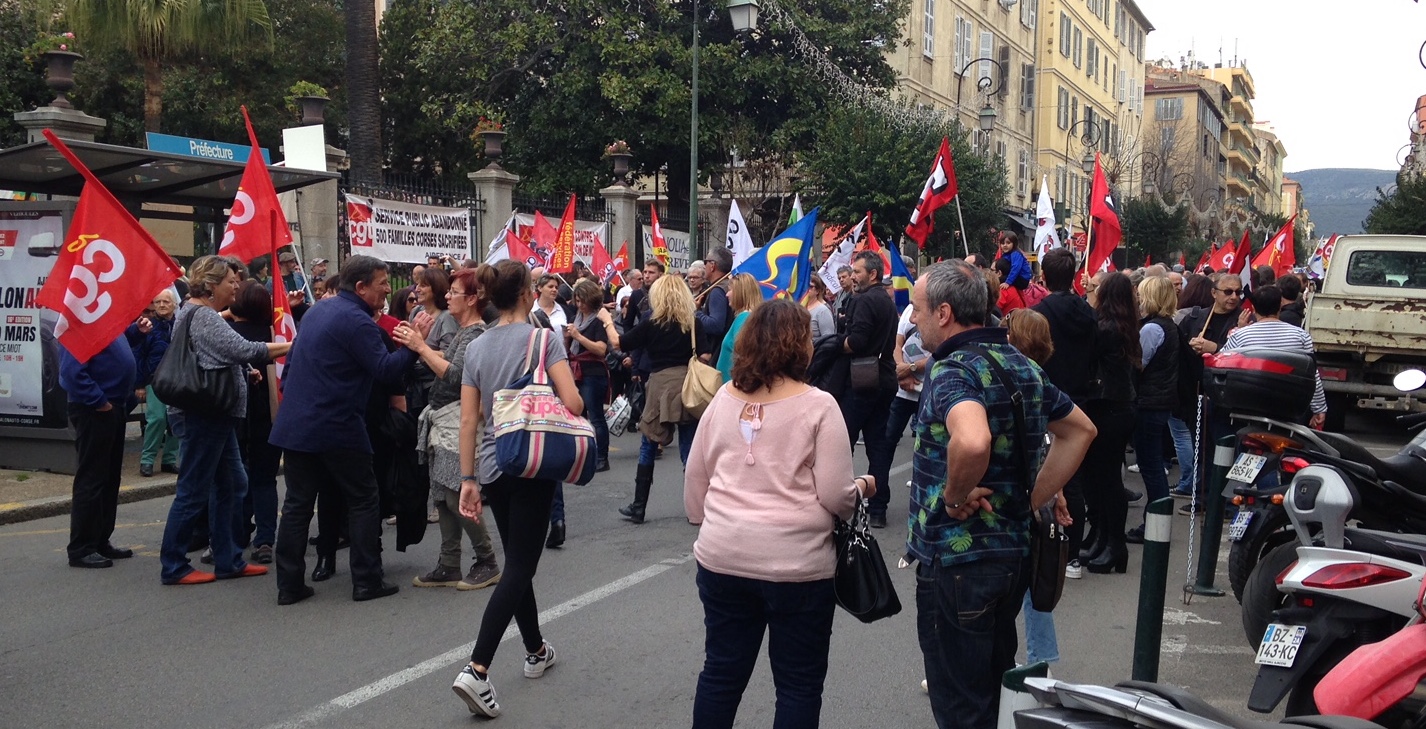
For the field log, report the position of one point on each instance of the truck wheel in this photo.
(1338, 403)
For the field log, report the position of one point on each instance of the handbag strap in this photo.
(693, 337)
(1017, 404)
(541, 372)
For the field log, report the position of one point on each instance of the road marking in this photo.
(1179, 645)
(43, 532)
(461, 654)
(900, 469)
(1173, 616)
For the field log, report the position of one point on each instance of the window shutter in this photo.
(1004, 71)
(956, 48)
(1065, 28)
(987, 50)
(928, 35)
(1027, 86)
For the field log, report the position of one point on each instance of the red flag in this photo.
(108, 271)
(602, 265)
(1223, 257)
(1182, 259)
(562, 257)
(621, 261)
(1280, 252)
(940, 189)
(660, 245)
(246, 236)
(541, 239)
(1148, 260)
(516, 250)
(284, 328)
(1239, 262)
(1104, 218)
(1203, 261)
(873, 245)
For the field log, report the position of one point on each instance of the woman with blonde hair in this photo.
(670, 337)
(745, 294)
(1157, 386)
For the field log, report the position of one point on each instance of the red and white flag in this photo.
(542, 239)
(940, 189)
(660, 245)
(284, 326)
(562, 257)
(1106, 232)
(1280, 252)
(601, 264)
(108, 271)
(248, 234)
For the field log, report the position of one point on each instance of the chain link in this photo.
(1189, 572)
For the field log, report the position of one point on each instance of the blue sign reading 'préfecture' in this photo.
(202, 148)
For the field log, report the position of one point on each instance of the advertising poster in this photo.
(585, 232)
(30, 394)
(399, 232)
(677, 248)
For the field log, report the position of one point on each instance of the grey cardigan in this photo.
(217, 346)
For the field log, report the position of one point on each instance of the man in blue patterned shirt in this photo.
(970, 510)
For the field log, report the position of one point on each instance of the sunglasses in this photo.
(410, 299)
(1230, 292)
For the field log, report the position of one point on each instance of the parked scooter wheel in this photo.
(1270, 528)
(1260, 594)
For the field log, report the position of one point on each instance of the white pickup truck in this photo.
(1369, 322)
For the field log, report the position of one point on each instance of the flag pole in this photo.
(1088, 248)
(965, 242)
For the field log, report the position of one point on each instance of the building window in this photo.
(1077, 49)
(1061, 185)
(1028, 10)
(1022, 171)
(1000, 150)
(987, 51)
(1065, 29)
(1074, 110)
(1168, 109)
(1091, 68)
(1027, 86)
(965, 43)
(928, 33)
(1064, 102)
(1123, 94)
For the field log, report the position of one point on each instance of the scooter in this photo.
(1384, 682)
(1346, 588)
(1141, 704)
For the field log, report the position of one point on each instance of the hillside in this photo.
(1340, 199)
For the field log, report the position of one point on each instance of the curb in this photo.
(60, 505)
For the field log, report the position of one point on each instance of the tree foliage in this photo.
(1402, 210)
(859, 163)
(570, 76)
(1155, 230)
(22, 85)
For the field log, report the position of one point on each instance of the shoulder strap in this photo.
(1017, 403)
(541, 374)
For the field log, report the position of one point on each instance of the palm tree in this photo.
(157, 32)
(363, 95)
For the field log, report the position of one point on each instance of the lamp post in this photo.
(988, 85)
(1090, 140)
(744, 14)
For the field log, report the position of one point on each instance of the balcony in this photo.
(1241, 106)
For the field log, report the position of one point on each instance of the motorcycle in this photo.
(1141, 704)
(1383, 682)
(1346, 588)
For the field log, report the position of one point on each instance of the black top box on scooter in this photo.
(1267, 382)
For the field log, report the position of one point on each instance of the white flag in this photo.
(497, 250)
(1045, 238)
(739, 241)
(796, 210)
(841, 257)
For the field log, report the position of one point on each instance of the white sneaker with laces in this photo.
(535, 664)
(477, 693)
(1073, 570)
(1134, 468)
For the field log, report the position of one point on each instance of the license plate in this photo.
(1247, 467)
(1280, 644)
(1240, 525)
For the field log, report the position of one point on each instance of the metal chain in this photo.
(1193, 502)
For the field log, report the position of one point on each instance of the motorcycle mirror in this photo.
(1409, 380)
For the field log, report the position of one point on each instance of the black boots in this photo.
(643, 481)
(556, 538)
(1114, 557)
(324, 569)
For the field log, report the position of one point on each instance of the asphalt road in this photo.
(114, 648)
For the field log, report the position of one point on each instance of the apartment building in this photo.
(1271, 156)
(1185, 135)
(1244, 189)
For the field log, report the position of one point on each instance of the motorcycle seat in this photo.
(1402, 468)
(1330, 722)
(1192, 704)
(1396, 545)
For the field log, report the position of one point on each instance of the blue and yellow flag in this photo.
(901, 280)
(784, 266)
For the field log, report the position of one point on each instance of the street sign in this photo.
(202, 148)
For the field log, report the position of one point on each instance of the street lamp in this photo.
(744, 14)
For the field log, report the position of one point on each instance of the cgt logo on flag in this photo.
(93, 299)
(359, 224)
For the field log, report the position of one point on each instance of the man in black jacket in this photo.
(1073, 327)
(870, 339)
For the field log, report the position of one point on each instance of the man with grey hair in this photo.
(715, 313)
(972, 500)
(839, 304)
(1158, 270)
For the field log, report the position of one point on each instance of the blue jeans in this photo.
(209, 474)
(261, 460)
(594, 389)
(965, 620)
(648, 448)
(737, 611)
(881, 452)
(1149, 452)
(1183, 448)
(1041, 644)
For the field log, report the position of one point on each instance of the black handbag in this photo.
(861, 583)
(865, 373)
(1049, 545)
(181, 383)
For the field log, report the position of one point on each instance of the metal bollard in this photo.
(1213, 517)
(1153, 580)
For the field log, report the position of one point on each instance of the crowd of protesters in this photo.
(384, 412)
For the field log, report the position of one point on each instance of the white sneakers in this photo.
(535, 664)
(1073, 570)
(476, 692)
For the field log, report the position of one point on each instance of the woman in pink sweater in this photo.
(768, 471)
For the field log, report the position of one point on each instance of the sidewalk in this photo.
(29, 495)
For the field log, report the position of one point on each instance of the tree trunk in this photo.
(153, 94)
(363, 94)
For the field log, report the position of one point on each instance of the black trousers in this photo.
(99, 442)
(309, 474)
(521, 508)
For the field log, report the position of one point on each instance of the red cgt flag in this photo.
(518, 251)
(659, 243)
(249, 233)
(1104, 219)
(940, 189)
(542, 239)
(562, 257)
(606, 268)
(1280, 252)
(284, 328)
(108, 271)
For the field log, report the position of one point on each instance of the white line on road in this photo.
(900, 469)
(460, 654)
(1178, 644)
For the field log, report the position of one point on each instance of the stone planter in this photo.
(494, 141)
(314, 109)
(621, 167)
(59, 75)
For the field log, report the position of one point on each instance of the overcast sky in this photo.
(1337, 79)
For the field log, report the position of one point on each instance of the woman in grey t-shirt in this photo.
(521, 506)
